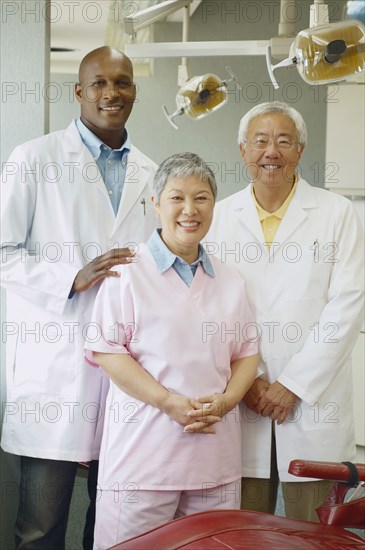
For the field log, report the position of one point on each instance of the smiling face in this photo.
(272, 167)
(106, 93)
(185, 211)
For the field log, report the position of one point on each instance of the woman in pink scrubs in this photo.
(173, 336)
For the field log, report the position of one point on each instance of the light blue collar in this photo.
(165, 259)
(93, 143)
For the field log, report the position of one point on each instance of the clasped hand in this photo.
(274, 400)
(196, 415)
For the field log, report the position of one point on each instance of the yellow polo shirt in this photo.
(270, 221)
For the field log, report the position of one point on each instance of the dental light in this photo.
(325, 53)
(200, 96)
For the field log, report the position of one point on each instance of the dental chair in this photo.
(246, 530)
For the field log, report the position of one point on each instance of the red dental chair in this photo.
(244, 530)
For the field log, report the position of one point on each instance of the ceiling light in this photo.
(327, 53)
(201, 96)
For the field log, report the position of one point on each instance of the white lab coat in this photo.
(56, 210)
(307, 296)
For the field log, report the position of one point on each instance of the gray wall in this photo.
(23, 116)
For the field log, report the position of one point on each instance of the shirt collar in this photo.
(280, 212)
(165, 259)
(93, 143)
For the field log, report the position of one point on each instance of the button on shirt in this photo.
(165, 259)
(112, 163)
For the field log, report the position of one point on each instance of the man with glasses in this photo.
(72, 205)
(300, 250)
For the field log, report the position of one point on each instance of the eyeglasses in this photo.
(262, 143)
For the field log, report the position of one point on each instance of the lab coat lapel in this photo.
(136, 179)
(85, 164)
(297, 212)
(247, 214)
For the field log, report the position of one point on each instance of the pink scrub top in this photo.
(186, 338)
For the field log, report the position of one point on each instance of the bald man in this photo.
(73, 205)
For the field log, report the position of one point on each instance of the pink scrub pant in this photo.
(121, 515)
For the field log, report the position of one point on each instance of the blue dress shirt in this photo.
(165, 259)
(112, 163)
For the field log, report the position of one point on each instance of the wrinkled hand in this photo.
(100, 267)
(277, 402)
(211, 409)
(254, 394)
(179, 408)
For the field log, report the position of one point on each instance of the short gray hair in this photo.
(182, 165)
(273, 107)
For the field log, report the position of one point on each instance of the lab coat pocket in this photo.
(286, 328)
(147, 219)
(320, 416)
(46, 362)
(334, 408)
(138, 224)
(311, 272)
